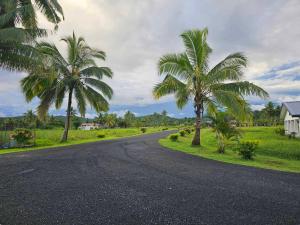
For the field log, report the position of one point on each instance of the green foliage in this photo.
(143, 129)
(280, 131)
(174, 137)
(77, 75)
(100, 135)
(165, 128)
(247, 149)
(224, 129)
(182, 133)
(19, 28)
(22, 136)
(187, 75)
(187, 130)
(273, 152)
(292, 135)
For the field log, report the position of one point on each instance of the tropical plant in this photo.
(174, 137)
(111, 120)
(75, 76)
(187, 75)
(224, 129)
(22, 136)
(19, 27)
(129, 118)
(247, 149)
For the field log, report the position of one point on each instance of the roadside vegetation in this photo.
(51, 138)
(273, 150)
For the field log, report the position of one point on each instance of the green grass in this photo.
(51, 138)
(274, 151)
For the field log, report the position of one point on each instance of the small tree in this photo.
(224, 130)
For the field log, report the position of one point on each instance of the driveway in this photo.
(136, 181)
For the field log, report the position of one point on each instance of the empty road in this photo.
(136, 181)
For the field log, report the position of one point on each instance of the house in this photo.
(89, 126)
(290, 113)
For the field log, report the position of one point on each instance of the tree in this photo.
(30, 118)
(78, 75)
(187, 75)
(110, 120)
(224, 129)
(19, 28)
(129, 118)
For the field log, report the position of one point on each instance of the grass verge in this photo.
(51, 138)
(274, 151)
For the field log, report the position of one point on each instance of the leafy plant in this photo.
(224, 129)
(174, 137)
(247, 149)
(101, 135)
(22, 136)
(182, 133)
(187, 75)
(292, 135)
(187, 130)
(165, 128)
(280, 131)
(143, 129)
(76, 76)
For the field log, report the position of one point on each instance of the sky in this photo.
(135, 34)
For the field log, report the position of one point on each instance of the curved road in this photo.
(136, 181)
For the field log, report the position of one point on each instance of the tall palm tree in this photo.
(75, 76)
(19, 27)
(187, 75)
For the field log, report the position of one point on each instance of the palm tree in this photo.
(19, 27)
(77, 75)
(224, 129)
(187, 75)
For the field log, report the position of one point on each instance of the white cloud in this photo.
(134, 34)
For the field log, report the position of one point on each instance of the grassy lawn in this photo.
(274, 151)
(51, 138)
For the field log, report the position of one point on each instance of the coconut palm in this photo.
(187, 75)
(224, 128)
(75, 76)
(18, 25)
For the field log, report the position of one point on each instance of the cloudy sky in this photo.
(135, 33)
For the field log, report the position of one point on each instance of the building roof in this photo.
(292, 107)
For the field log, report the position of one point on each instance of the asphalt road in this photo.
(136, 181)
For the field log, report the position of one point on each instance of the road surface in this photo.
(136, 181)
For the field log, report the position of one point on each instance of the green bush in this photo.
(280, 131)
(165, 128)
(22, 136)
(101, 135)
(182, 133)
(292, 135)
(143, 129)
(174, 137)
(187, 130)
(247, 149)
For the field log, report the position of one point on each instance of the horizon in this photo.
(135, 39)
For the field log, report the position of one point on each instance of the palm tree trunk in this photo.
(197, 136)
(67, 122)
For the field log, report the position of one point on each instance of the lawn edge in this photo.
(16, 150)
(227, 162)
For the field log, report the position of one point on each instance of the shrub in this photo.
(174, 137)
(182, 133)
(280, 131)
(143, 129)
(165, 128)
(101, 135)
(187, 130)
(292, 135)
(247, 149)
(22, 136)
